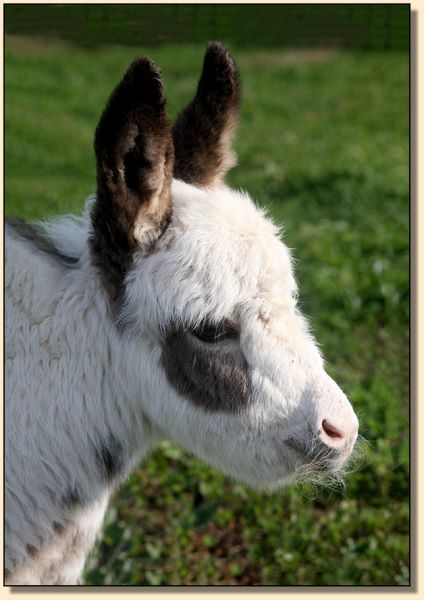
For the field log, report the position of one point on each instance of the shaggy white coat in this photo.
(221, 257)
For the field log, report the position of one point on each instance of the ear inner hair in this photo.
(134, 154)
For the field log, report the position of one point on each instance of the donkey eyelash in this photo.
(216, 332)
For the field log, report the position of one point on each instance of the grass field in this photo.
(323, 142)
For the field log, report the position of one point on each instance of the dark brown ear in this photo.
(134, 153)
(204, 130)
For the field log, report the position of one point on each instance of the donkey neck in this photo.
(84, 430)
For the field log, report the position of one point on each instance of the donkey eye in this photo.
(212, 333)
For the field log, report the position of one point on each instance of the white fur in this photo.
(72, 376)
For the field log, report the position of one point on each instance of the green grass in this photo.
(323, 142)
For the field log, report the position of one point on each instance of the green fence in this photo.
(362, 26)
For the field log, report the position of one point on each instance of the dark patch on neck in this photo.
(215, 377)
(109, 457)
(73, 498)
(37, 237)
(31, 550)
(58, 528)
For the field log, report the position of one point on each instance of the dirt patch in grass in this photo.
(24, 45)
(287, 58)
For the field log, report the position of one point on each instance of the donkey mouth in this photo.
(316, 454)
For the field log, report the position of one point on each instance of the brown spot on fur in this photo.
(58, 527)
(59, 559)
(264, 317)
(32, 550)
(203, 131)
(213, 376)
(134, 153)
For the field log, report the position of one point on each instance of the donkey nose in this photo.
(337, 436)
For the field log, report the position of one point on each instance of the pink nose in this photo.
(337, 436)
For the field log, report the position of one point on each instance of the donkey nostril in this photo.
(331, 431)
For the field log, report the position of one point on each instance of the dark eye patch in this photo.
(216, 332)
(211, 375)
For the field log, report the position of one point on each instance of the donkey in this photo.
(167, 310)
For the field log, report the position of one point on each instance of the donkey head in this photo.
(200, 277)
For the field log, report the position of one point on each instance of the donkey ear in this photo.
(203, 131)
(134, 152)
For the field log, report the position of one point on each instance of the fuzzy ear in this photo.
(204, 130)
(134, 153)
